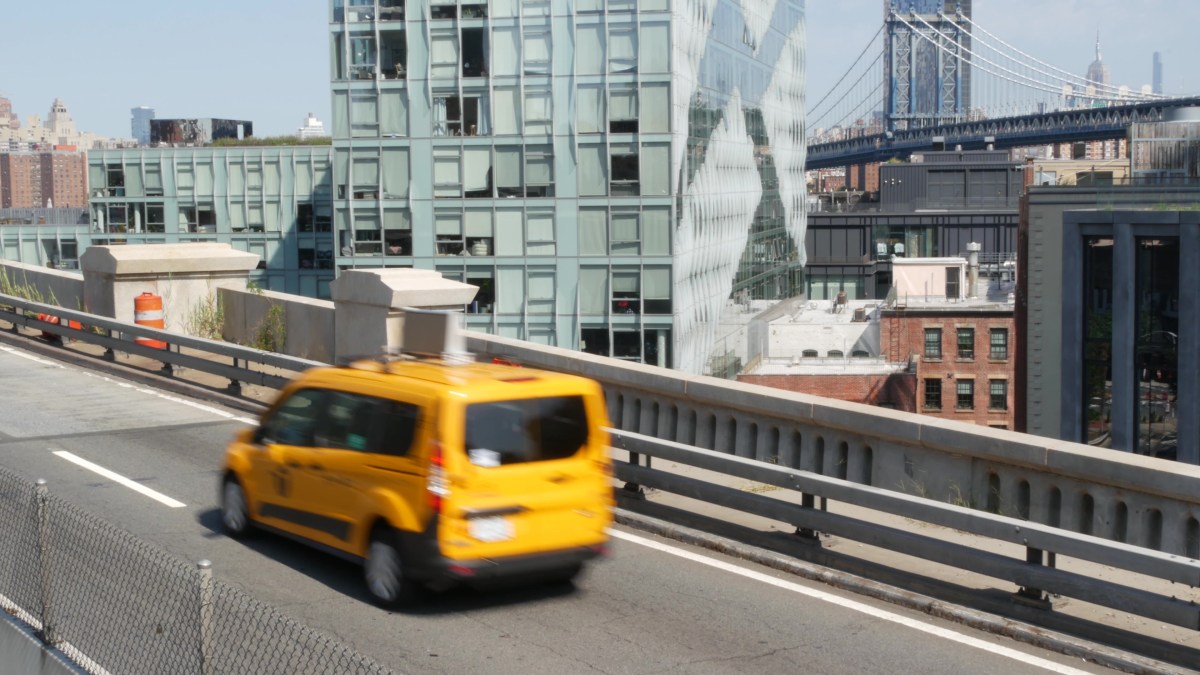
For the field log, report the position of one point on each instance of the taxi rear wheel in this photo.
(235, 515)
(384, 571)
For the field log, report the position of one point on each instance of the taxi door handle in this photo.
(316, 467)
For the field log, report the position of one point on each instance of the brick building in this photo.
(863, 177)
(942, 345)
(895, 390)
(30, 180)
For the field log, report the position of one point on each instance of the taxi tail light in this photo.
(438, 486)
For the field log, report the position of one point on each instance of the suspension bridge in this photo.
(932, 76)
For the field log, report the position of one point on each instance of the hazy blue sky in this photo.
(267, 60)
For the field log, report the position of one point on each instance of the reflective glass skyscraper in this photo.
(609, 173)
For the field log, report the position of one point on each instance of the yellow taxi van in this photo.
(428, 470)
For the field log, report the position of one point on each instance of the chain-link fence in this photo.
(116, 603)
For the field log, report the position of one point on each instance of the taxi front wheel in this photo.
(384, 571)
(235, 515)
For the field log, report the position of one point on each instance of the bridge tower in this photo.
(924, 84)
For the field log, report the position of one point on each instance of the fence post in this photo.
(41, 497)
(206, 616)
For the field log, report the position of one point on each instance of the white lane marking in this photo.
(851, 604)
(143, 390)
(31, 357)
(118, 478)
(175, 399)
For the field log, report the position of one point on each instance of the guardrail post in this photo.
(206, 616)
(630, 487)
(109, 354)
(808, 501)
(1034, 597)
(41, 497)
(167, 369)
(235, 387)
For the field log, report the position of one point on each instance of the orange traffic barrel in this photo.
(54, 321)
(148, 311)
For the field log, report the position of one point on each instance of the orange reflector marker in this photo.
(148, 311)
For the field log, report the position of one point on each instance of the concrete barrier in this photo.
(52, 286)
(253, 317)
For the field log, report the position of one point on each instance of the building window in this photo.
(626, 293)
(459, 116)
(999, 342)
(998, 395)
(539, 171)
(536, 53)
(966, 395)
(966, 343)
(933, 393)
(362, 58)
(622, 111)
(1157, 326)
(809, 354)
(624, 173)
(933, 343)
(1097, 294)
(474, 56)
(622, 51)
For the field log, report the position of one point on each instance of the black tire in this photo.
(383, 571)
(235, 514)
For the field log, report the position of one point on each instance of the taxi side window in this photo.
(294, 421)
(395, 428)
(346, 422)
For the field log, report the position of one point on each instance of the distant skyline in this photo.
(268, 60)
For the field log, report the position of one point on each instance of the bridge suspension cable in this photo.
(869, 69)
(1067, 76)
(870, 43)
(1008, 74)
(853, 99)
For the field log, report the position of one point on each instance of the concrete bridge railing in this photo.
(1138, 500)
(1127, 498)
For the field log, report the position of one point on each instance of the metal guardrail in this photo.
(117, 336)
(1035, 574)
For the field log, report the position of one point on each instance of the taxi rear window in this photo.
(527, 430)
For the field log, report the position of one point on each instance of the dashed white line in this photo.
(851, 605)
(118, 478)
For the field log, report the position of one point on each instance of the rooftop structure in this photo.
(312, 128)
(197, 131)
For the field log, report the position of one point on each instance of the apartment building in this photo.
(41, 179)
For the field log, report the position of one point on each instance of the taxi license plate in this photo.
(493, 528)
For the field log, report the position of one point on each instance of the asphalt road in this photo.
(652, 606)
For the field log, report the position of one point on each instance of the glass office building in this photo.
(608, 173)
